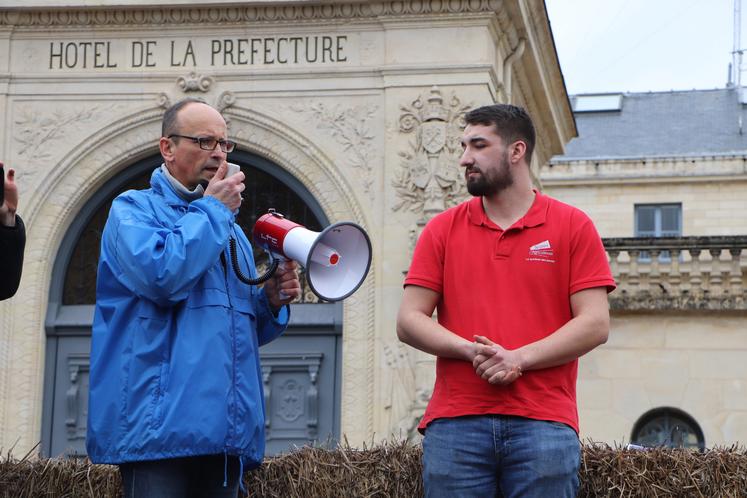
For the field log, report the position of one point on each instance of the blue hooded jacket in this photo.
(175, 344)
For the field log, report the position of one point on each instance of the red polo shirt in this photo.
(514, 287)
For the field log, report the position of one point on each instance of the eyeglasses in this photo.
(207, 143)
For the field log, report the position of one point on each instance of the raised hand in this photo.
(10, 203)
(227, 190)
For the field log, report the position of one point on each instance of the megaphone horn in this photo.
(337, 259)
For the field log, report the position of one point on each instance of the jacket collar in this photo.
(161, 184)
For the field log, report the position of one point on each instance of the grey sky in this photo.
(644, 45)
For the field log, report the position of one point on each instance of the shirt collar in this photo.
(181, 190)
(536, 215)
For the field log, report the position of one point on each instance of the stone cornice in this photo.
(644, 170)
(702, 242)
(647, 301)
(183, 15)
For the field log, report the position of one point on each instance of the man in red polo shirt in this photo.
(520, 281)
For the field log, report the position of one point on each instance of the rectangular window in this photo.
(658, 220)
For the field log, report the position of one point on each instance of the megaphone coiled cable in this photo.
(240, 275)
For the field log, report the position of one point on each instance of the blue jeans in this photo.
(191, 477)
(495, 455)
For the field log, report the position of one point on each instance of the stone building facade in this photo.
(356, 107)
(663, 176)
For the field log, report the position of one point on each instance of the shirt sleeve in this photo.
(12, 244)
(589, 265)
(427, 266)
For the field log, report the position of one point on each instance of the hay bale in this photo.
(389, 469)
(660, 472)
(32, 477)
(392, 469)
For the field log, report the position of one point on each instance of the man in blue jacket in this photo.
(175, 384)
(12, 236)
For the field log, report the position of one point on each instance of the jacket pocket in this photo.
(148, 369)
(217, 297)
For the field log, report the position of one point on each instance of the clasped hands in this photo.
(492, 362)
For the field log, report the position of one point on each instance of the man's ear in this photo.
(518, 151)
(166, 147)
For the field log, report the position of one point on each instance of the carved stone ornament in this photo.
(194, 83)
(351, 128)
(169, 16)
(163, 101)
(429, 179)
(408, 395)
(41, 136)
(225, 100)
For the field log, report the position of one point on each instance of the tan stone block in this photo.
(735, 394)
(734, 428)
(610, 363)
(703, 399)
(631, 398)
(594, 394)
(718, 364)
(604, 426)
(587, 366)
(664, 374)
(635, 332)
(704, 333)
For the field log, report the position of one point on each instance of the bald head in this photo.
(170, 123)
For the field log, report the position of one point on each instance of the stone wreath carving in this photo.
(429, 179)
(38, 133)
(351, 128)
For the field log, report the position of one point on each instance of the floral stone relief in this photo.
(351, 127)
(43, 135)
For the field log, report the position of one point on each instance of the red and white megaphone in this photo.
(336, 259)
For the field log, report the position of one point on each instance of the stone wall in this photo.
(693, 362)
(660, 356)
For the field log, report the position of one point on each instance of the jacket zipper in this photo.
(232, 394)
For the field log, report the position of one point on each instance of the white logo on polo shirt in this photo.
(542, 251)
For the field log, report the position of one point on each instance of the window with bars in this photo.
(658, 220)
(668, 427)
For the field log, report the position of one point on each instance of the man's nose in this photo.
(466, 159)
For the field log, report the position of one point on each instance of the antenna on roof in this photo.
(736, 65)
(737, 52)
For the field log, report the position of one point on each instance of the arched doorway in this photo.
(301, 370)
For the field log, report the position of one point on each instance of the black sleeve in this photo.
(12, 244)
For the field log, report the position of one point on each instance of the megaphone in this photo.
(337, 259)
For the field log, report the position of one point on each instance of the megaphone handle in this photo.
(281, 259)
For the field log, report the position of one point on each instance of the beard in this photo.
(492, 182)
